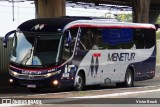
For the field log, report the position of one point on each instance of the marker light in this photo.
(10, 80)
(53, 73)
(14, 73)
(48, 75)
(55, 82)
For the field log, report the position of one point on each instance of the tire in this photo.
(129, 80)
(79, 82)
(34, 90)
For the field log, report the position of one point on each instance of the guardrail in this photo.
(5, 54)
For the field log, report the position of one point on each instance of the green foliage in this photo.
(124, 17)
(158, 34)
(158, 20)
(108, 15)
(120, 17)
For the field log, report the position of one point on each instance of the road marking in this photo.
(157, 64)
(119, 94)
(40, 94)
(96, 96)
(11, 105)
(83, 91)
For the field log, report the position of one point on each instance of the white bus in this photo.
(66, 52)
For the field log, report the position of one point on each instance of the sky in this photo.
(25, 11)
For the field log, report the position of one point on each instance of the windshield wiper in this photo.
(27, 56)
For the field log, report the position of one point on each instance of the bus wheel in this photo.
(79, 82)
(129, 81)
(34, 90)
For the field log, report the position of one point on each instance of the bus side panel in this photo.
(102, 66)
(145, 69)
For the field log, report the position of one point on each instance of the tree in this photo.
(158, 20)
(124, 17)
(108, 15)
(120, 17)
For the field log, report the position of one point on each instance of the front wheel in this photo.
(79, 82)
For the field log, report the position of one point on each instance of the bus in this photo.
(77, 52)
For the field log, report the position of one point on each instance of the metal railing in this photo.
(5, 55)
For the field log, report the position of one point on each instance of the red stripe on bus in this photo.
(98, 26)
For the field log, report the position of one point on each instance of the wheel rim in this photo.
(129, 78)
(79, 82)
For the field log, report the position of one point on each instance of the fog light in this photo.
(10, 80)
(55, 82)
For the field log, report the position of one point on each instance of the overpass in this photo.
(144, 11)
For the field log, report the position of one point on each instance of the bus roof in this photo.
(64, 23)
(102, 23)
(45, 24)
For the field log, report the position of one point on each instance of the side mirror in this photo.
(4, 43)
(5, 39)
(68, 39)
(157, 26)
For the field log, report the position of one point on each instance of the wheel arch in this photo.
(131, 67)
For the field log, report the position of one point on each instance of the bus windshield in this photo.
(36, 48)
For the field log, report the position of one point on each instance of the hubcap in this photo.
(79, 81)
(129, 78)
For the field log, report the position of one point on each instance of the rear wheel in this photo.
(79, 82)
(129, 81)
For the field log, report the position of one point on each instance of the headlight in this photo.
(14, 73)
(53, 73)
(49, 74)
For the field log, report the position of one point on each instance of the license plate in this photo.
(31, 86)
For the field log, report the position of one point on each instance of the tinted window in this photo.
(144, 38)
(121, 38)
(149, 38)
(69, 42)
(85, 39)
(114, 36)
(139, 38)
(100, 38)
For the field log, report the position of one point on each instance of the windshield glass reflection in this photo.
(36, 49)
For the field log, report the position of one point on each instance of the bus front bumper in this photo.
(45, 82)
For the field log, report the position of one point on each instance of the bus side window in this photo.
(83, 43)
(69, 39)
(139, 38)
(86, 40)
(66, 46)
(149, 38)
(91, 38)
